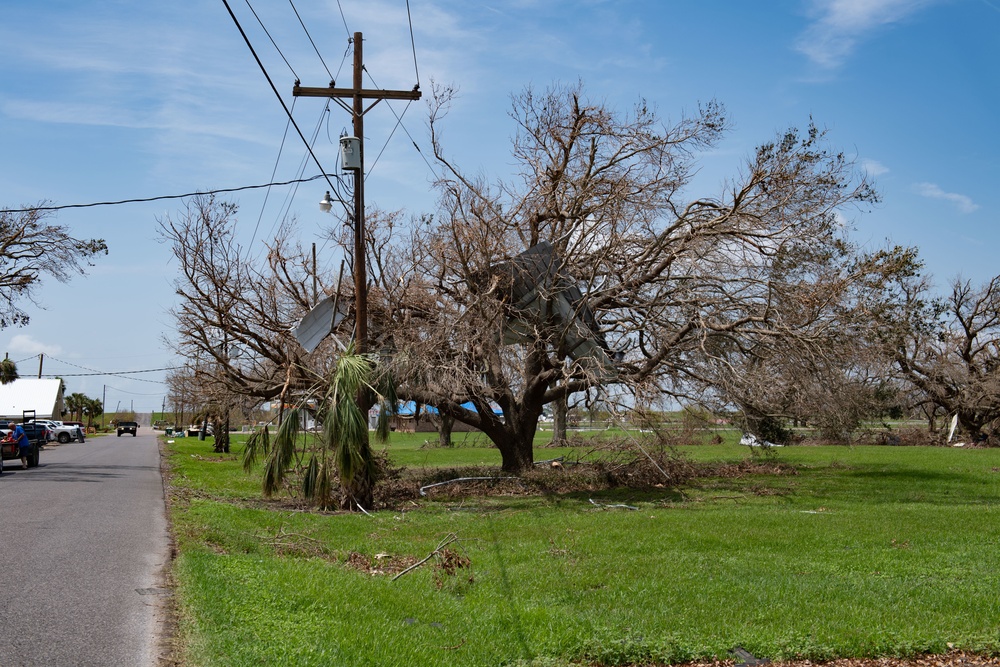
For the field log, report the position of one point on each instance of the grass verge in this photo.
(837, 552)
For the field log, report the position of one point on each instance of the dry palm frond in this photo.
(323, 487)
(310, 477)
(8, 371)
(347, 432)
(282, 452)
(258, 446)
(384, 387)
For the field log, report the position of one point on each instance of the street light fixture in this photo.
(326, 203)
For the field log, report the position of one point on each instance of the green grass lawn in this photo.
(848, 552)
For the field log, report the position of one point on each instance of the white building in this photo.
(44, 396)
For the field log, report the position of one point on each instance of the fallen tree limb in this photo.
(596, 504)
(462, 479)
(452, 537)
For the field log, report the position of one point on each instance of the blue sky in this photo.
(104, 100)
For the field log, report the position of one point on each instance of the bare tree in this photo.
(591, 267)
(832, 373)
(182, 391)
(30, 249)
(236, 312)
(949, 349)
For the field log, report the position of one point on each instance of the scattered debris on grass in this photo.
(449, 564)
(597, 504)
(449, 539)
(286, 543)
(212, 459)
(747, 659)
(423, 489)
(951, 659)
(380, 563)
(745, 468)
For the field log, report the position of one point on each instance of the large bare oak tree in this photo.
(948, 348)
(638, 279)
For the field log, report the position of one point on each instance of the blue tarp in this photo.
(408, 408)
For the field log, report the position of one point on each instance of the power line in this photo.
(286, 205)
(347, 52)
(132, 393)
(34, 356)
(272, 38)
(94, 371)
(310, 40)
(413, 44)
(399, 118)
(344, 19)
(118, 374)
(162, 197)
(399, 121)
(274, 171)
(284, 106)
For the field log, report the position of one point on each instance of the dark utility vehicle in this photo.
(37, 436)
(127, 427)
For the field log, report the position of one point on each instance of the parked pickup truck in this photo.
(127, 427)
(61, 431)
(37, 436)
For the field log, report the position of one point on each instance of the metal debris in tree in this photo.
(320, 323)
(539, 298)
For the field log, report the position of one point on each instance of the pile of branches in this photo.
(614, 464)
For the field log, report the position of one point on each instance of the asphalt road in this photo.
(83, 542)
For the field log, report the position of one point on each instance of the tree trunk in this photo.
(931, 422)
(359, 492)
(444, 430)
(517, 455)
(221, 443)
(560, 409)
(515, 440)
(971, 425)
(221, 436)
(358, 495)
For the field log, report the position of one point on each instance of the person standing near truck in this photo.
(23, 445)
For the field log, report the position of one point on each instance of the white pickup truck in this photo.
(62, 432)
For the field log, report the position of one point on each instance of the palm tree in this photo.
(75, 403)
(342, 449)
(93, 408)
(8, 371)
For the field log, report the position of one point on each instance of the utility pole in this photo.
(359, 94)
(41, 358)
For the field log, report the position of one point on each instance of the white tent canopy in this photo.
(44, 396)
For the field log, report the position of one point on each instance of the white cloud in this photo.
(24, 344)
(841, 24)
(933, 191)
(874, 167)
